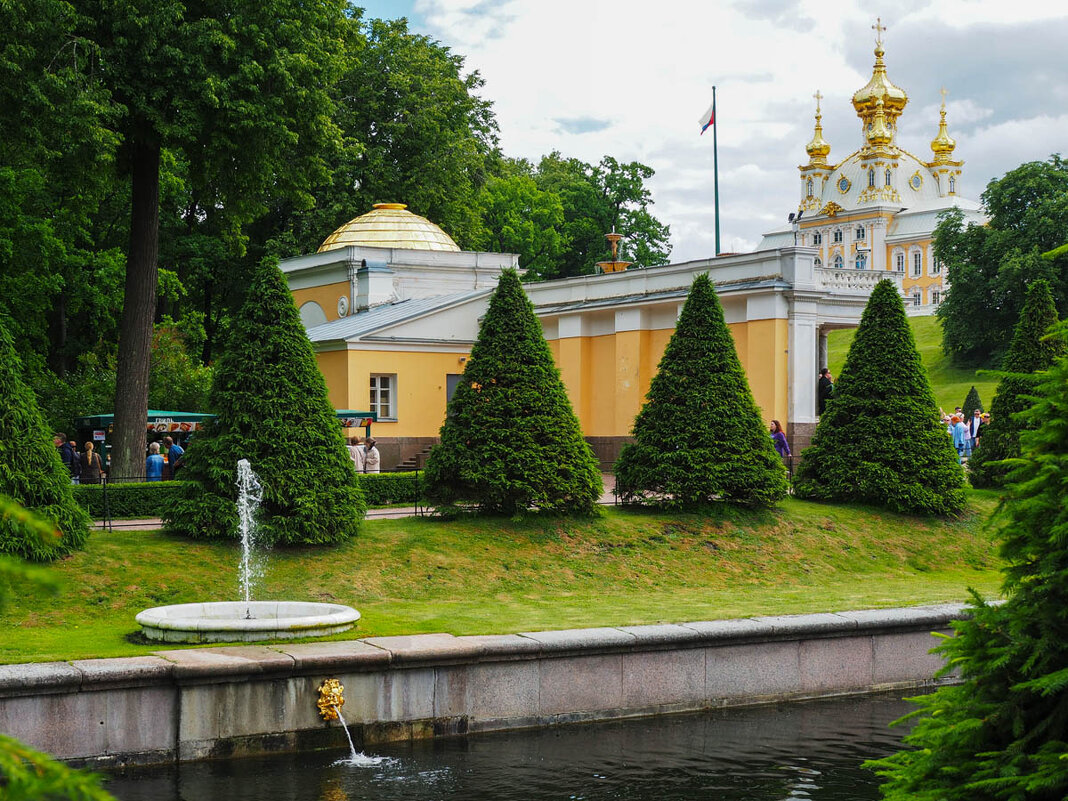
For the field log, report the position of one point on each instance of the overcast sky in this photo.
(630, 78)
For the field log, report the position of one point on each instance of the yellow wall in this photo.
(607, 377)
(326, 296)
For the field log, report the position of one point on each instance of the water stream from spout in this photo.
(355, 759)
(249, 495)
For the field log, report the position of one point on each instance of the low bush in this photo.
(383, 489)
(141, 499)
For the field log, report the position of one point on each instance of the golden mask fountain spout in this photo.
(613, 266)
(331, 699)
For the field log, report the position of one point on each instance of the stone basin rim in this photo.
(229, 616)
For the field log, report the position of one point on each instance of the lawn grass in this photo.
(950, 384)
(480, 576)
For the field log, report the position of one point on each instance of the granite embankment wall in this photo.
(199, 703)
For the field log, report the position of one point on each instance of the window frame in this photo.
(917, 264)
(376, 396)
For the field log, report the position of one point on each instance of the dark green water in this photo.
(809, 750)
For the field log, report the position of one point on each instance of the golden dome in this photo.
(818, 148)
(390, 225)
(879, 134)
(943, 145)
(879, 88)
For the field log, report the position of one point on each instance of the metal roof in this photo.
(367, 322)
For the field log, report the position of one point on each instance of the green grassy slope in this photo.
(497, 576)
(950, 384)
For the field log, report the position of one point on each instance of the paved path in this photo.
(153, 523)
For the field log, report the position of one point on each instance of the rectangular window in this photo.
(917, 264)
(837, 236)
(936, 297)
(384, 396)
(936, 266)
(899, 262)
(817, 239)
(917, 297)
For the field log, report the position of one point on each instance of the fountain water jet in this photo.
(246, 620)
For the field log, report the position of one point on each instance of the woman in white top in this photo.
(356, 453)
(372, 459)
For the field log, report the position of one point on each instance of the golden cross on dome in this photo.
(943, 91)
(878, 27)
(818, 97)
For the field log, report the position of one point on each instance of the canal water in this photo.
(807, 750)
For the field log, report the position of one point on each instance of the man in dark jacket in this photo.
(825, 389)
(69, 455)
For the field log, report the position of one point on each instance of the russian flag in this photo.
(708, 118)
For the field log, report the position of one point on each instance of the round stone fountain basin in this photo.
(230, 621)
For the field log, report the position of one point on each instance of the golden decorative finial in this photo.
(818, 148)
(878, 27)
(943, 145)
(880, 134)
(330, 699)
(818, 97)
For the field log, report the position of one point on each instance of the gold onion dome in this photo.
(943, 145)
(390, 225)
(879, 88)
(880, 135)
(818, 149)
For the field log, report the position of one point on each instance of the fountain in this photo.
(246, 620)
(331, 699)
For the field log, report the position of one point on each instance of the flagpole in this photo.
(715, 164)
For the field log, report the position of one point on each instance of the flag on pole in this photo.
(708, 118)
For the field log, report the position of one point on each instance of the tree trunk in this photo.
(139, 307)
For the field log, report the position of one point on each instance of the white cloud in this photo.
(557, 70)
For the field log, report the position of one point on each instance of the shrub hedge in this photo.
(150, 499)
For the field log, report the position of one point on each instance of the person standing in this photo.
(974, 427)
(778, 438)
(825, 389)
(960, 432)
(356, 453)
(154, 463)
(69, 454)
(92, 467)
(174, 453)
(372, 459)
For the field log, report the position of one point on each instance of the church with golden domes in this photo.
(877, 208)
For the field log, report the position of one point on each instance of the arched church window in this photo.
(861, 261)
(809, 187)
(818, 262)
(839, 262)
(871, 178)
(888, 177)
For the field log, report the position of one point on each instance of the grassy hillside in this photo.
(497, 576)
(950, 384)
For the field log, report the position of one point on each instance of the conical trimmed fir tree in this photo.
(271, 408)
(971, 403)
(1029, 351)
(1003, 732)
(880, 440)
(31, 472)
(700, 436)
(511, 441)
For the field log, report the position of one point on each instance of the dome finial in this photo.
(943, 145)
(818, 148)
(880, 134)
(879, 88)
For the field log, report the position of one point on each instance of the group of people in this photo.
(365, 455)
(965, 433)
(163, 462)
(86, 467)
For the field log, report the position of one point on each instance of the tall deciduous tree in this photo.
(31, 472)
(1031, 350)
(511, 440)
(271, 408)
(1000, 734)
(699, 436)
(989, 266)
(880, 440)
(233, 86)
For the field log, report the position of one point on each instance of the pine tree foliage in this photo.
(1003, 733)
(31, 472)
(1031, 350)
(971, 403)
(511, 441)
(700, 436)
(880, 440)
(271, 408)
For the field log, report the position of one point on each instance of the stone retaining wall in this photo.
(200, 703)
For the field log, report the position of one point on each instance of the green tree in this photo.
(989, 266)
(971, 403)
(1031, 350)
(1000, 734)
(31, 472)
(511, 440)
(880, 441)
(700, 437)
(271, 408)
(518, 217)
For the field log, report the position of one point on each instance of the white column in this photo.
(823, 349)
(803, 368)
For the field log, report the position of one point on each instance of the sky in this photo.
(631, 78)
